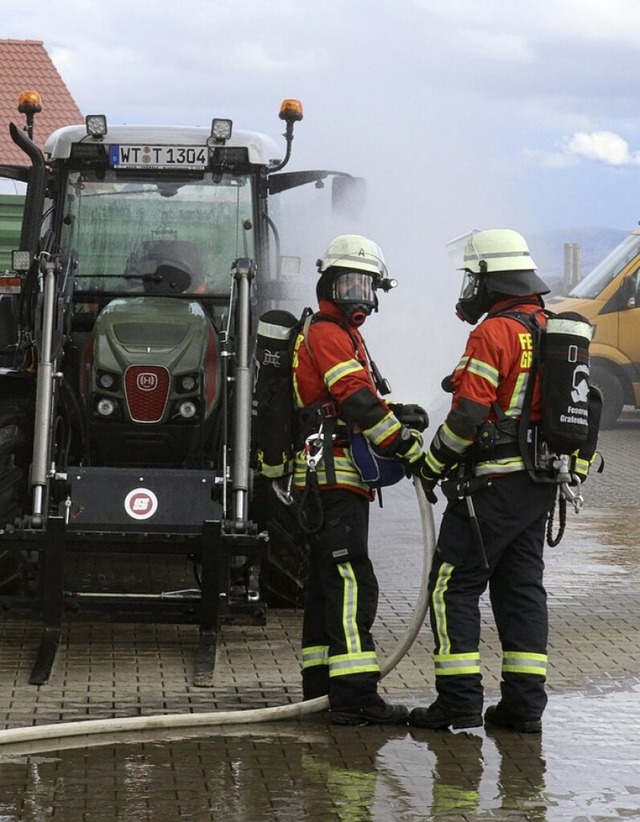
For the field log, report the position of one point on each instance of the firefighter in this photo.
(493, 528)
(337, 392)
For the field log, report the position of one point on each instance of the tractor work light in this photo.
(291, 111)
(96, 125)
(188, 383)
(105, 407)
(21, 261)
(29, 102)
(187, 410)
(220, 131)
(106, 381)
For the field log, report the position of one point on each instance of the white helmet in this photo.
(497, 263)
(354, 252)
(351, 270)
(498, 249)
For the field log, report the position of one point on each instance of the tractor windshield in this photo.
(135, 234)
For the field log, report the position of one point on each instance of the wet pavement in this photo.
(585, 766)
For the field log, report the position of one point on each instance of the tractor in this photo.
(126, 376)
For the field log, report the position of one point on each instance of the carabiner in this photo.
(574, 497)
(313, 450)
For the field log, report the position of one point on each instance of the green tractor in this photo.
(126, 377)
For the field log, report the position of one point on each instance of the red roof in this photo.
(26, 66)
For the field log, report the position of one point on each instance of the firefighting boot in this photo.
(437, 718)
(497, 716)
(377, 713)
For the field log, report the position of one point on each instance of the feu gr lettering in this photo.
(526, 346)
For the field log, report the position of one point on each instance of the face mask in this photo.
(474, 298)
(354, 294)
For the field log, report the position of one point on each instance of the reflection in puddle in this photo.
(585, 765)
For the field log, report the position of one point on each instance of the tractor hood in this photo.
(151, 331)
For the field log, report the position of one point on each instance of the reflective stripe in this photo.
(275, 471)
(484, 370)
(355, 661)
(455, 664)
(495, 255)
(349, 608)
(503, 466)
(434, 463)
(382, 429)
(414, 452)
(524, 662)
(462, 364)
(273, 331)
(439, 607)
(364, 662)
(295, 361)
(516, 403)
(342, 369)
(582, 465)
(314, 656)
(451, 440)
(346, 472)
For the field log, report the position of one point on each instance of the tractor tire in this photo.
(283, 575)
(612, 395)
(15, 455)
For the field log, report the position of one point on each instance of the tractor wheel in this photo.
(15, 442)
(612, 395)
(283, 575)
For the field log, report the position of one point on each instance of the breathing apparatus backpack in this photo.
(279, 430)
(273, 418)
(565, 440)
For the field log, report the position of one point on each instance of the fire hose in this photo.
(81, 733)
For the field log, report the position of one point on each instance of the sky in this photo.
(460, 114)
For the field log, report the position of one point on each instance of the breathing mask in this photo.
(353, 292)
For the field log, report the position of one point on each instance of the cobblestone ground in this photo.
(584, 766)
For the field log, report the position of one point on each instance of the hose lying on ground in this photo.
(89, 728)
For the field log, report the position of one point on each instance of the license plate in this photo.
(146, 156)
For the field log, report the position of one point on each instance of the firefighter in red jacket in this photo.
(337, 391)
(493, 528)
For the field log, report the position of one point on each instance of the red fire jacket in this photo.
(493, 369)
(331, 366)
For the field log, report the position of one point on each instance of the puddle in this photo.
(584, 766)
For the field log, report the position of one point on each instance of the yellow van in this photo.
(609, 297)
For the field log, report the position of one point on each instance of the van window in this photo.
(609, 268)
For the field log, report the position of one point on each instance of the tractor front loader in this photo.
(126, 379)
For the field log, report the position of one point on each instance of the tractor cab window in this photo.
(140, 236)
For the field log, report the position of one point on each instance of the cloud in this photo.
(602, 146)
(605, 147)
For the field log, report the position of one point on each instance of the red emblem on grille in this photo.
(146, 381)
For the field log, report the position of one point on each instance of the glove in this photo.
(408, 445)
(410, 414)
(425, 475)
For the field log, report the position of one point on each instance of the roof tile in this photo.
(26, 66)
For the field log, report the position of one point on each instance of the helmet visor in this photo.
(353, 287)
(470, 285)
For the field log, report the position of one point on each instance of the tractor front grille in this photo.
(146, 390)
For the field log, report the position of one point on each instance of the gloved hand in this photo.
(410, 414)
(425, 475)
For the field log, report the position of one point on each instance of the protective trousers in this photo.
(338, 652)
(511, 511)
